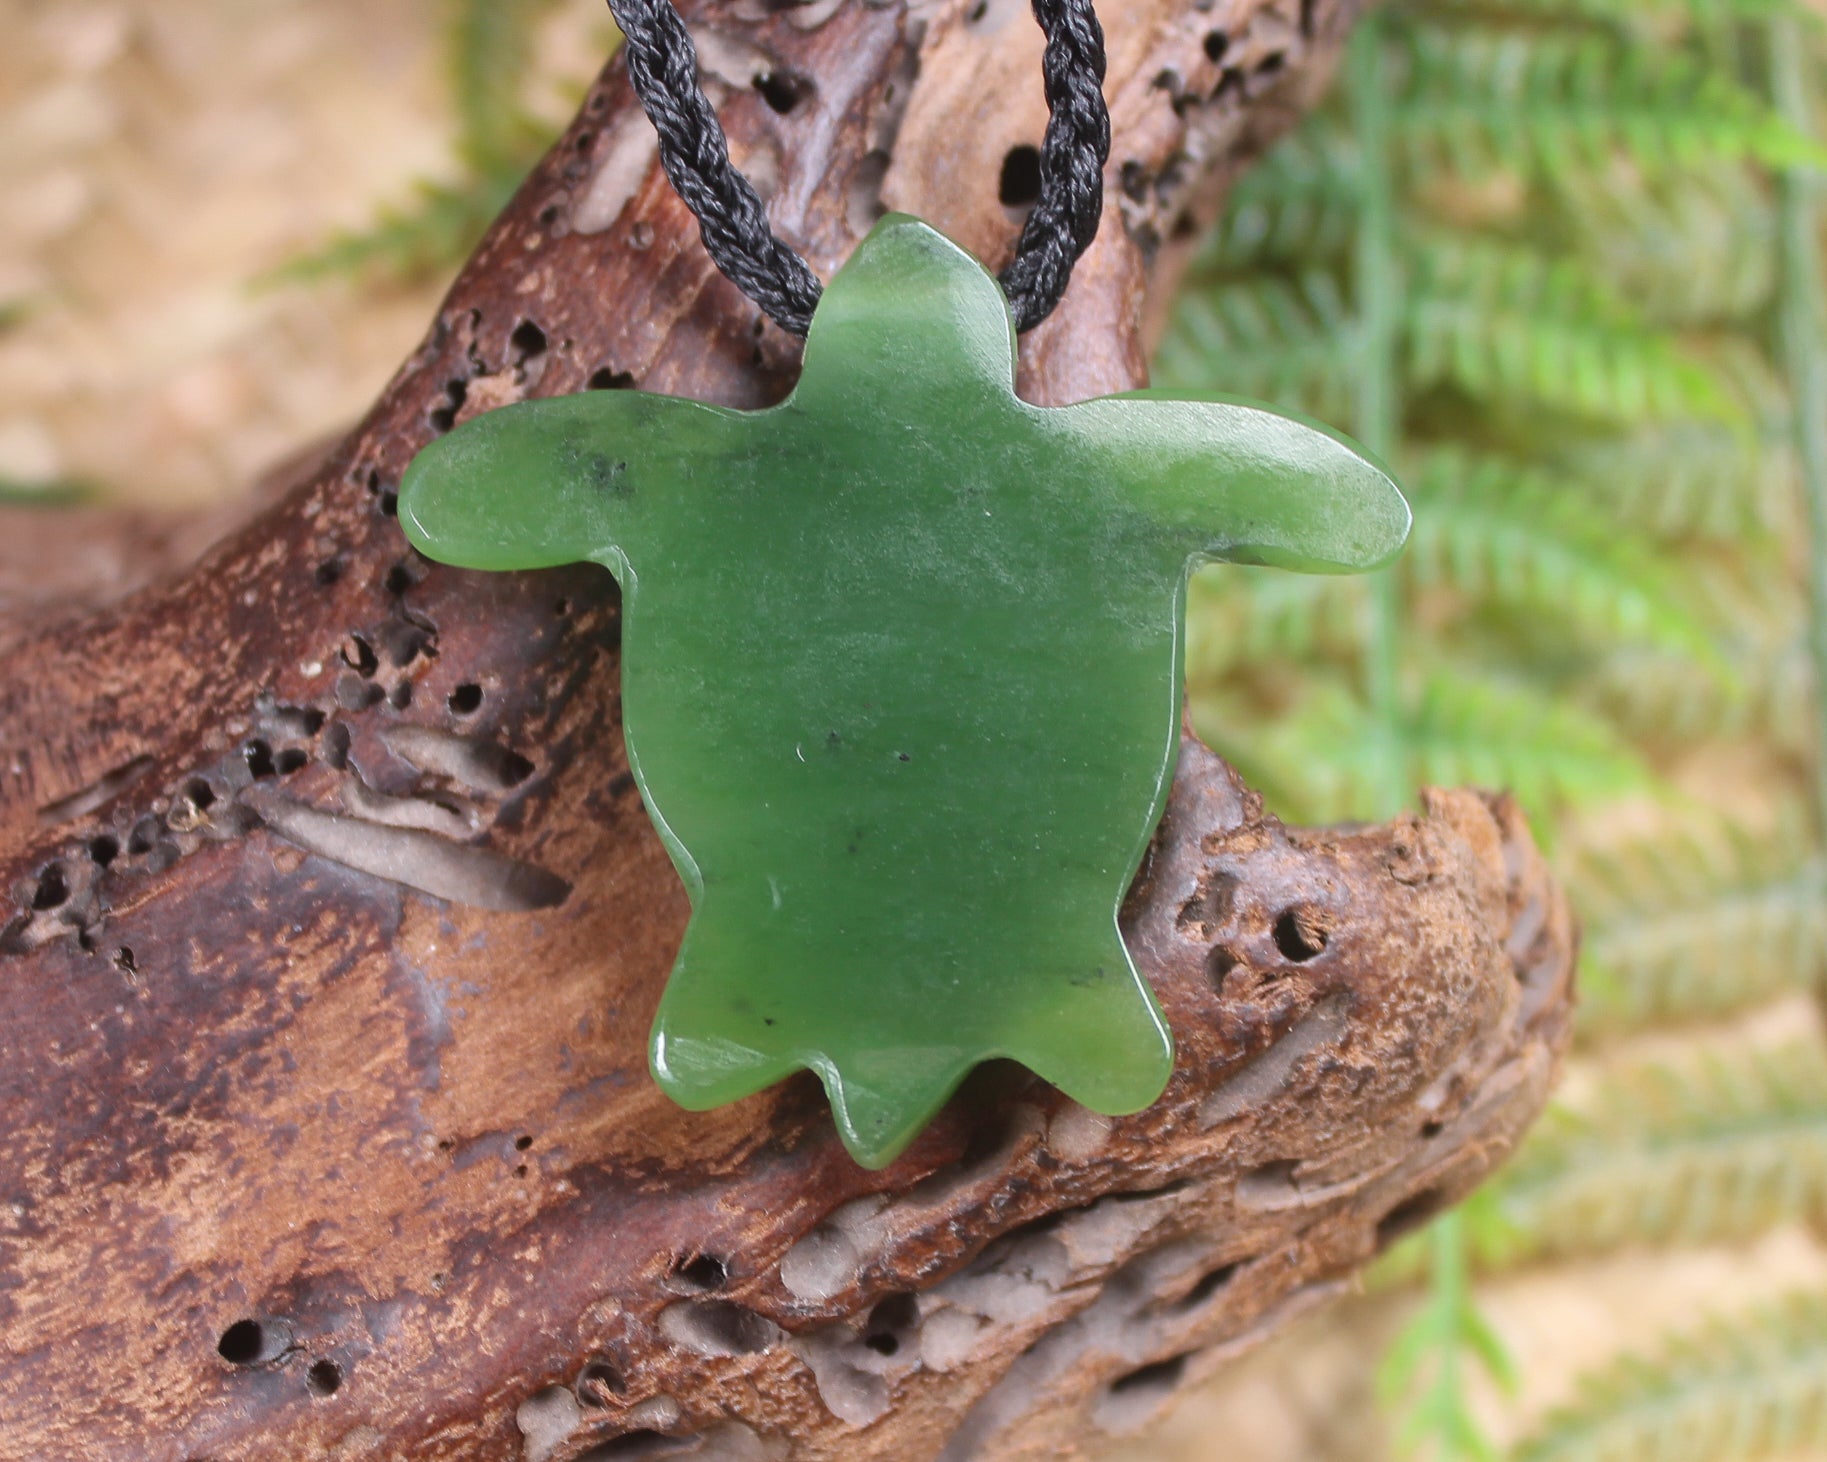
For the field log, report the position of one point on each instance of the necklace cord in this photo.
(663, 68)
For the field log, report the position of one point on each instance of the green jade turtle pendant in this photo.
(901, 677)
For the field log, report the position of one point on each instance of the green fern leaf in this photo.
(439, 227)
(1319, 158)
(1309, 758)
(1509, 326)
(489, 50)
(1500, 273)
(1484, 98)
(1274, 340)
(1694, 247)
(1711, 1149)
(1640, 19)
(1685, 929)
(1298, 203)
(1324, 760)
(1239, 617)
(488, 54)
(1493, 532)
(1769, 694)
(1484, 730)
(1427, 1361)
(1271, 231)
(1754, 1386)
(1688, 479)
(56, 493)
(1657, 697)
(1406, 1262)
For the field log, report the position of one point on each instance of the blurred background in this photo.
(1558, 260)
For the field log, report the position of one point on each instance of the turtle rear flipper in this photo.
(742, 1011)
(1101, 1038)
(877, 1118)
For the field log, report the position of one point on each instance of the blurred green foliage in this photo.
(1745, 1387)
(1543, 255)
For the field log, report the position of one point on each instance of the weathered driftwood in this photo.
(336, 926)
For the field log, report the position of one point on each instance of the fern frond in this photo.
(1289, 342)
(1629, 16)
(1768, 694)
(439, 227)
(1486, 269)
(1406, 1262)
(1691, 247)
(1238, 616)
(1508, 325)
(1688, 478)
(1495, 532)
(489, 49)
(1748, 1387)
(1684, 929)
(1299, 202)
(1657, 696)
(1311, 759)
(1484, 730)
(1547, 103)
(1801, 321)
(1319, 157)
(1311, 230)
(1325, 758)
(1427, 1361)
(1712, 1149)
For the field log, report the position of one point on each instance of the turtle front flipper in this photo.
(559, 481)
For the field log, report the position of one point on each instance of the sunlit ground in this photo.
(157, 160)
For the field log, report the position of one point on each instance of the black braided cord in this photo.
(663, 66)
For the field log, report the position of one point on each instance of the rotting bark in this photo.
(336, 925)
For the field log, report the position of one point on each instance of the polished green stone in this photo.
(901, 677)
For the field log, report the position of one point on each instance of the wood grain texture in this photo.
(335, 925)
